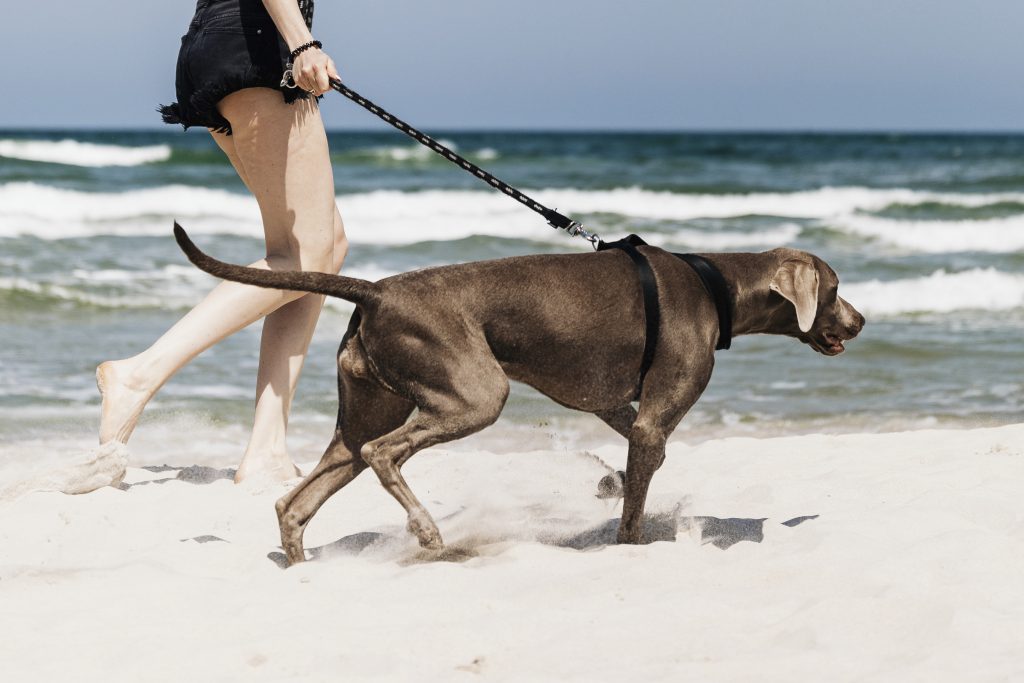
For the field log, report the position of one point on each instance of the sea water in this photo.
(925, 231)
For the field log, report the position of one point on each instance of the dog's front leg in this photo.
(646, 451)
(665, 400)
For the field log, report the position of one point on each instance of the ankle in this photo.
(136, 374)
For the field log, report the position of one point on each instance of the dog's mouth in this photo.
(828, 343)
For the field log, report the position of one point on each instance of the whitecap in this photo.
(994, 235)
(940, 292)
(75, 153)
(412, 152)
(393, 217)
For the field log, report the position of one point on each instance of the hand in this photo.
(312, 71)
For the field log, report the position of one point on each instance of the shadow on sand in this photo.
(722, 533)
(193, 474)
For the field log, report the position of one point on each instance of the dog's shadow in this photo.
(720, 532)
(723, 533)
(192, 474)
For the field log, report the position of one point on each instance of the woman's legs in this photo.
(285, 339)
(281, 153)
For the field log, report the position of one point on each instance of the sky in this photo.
(562, 64)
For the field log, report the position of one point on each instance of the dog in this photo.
(445, 341)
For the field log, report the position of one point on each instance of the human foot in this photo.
(122, 401)
(266, 469)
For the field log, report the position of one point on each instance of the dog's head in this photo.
(815, 313)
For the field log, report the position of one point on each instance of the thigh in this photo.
(227, 145)
(282, 152)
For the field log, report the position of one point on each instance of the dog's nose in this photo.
(858, 325)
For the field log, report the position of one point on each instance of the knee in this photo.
(340, 250)
(647, 438)
(310, 253)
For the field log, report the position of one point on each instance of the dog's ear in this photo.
(797, 281)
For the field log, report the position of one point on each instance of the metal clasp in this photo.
(577, 230)
(287, 78)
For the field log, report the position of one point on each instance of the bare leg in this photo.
(283, 346)
(285, 340)
(281, 150)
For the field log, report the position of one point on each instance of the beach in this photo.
(847, 518)
(883, 557)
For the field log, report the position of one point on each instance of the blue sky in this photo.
(596, 64)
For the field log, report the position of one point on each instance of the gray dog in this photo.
(446, 341)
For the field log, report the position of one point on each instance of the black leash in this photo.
(552, 216)
(709, 275)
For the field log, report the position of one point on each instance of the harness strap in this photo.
(714, 283)
(712, 279)
(649, 286)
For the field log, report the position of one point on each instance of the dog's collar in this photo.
(713, 281)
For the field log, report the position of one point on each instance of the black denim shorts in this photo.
(230, 45)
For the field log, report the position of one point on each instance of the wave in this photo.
(381, 217)
(172, 287)
(388, 217)
(412, 153)
(997, 235)
(985, 289)
(75, 153)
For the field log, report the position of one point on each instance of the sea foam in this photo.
(389, 217)
(941, 292)
(75, 153)
(997, 235)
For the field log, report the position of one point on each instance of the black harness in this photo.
(710, 277)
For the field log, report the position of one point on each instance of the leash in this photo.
(709, 275)
(552, 216)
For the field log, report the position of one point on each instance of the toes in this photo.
(426, 532)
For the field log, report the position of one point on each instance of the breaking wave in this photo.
(75, 153)
(389, 217)
(985, 289)
(997, 235)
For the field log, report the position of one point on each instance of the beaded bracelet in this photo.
(305, 46)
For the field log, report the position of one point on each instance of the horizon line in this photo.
(562, 131)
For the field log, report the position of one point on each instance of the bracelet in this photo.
(305, 46)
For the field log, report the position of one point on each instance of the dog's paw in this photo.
(426, 532)
(612, 485)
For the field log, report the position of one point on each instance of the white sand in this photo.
(912, 571)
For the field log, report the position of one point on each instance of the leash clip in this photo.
(577, 230)
(288, 78)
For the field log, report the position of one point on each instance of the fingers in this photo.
(322, 82)
(315, 73)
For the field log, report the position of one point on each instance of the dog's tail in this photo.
(361, 292)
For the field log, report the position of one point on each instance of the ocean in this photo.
(925, 231)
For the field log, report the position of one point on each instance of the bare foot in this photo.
(122, 403)
(271, 469)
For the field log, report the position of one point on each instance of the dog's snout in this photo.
(860, 321)
(854, 328)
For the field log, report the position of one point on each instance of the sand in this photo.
(858, 557)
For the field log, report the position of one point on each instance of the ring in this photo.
(312, 91)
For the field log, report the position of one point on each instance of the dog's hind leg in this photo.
(467, 406)
(366, 411)
(336, 468)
